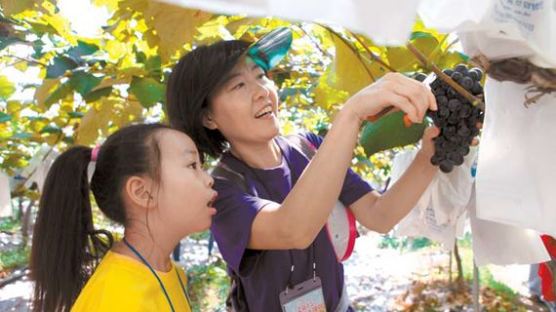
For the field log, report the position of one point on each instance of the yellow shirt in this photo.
(121, 283)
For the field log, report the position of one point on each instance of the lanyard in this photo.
(158, 278)
(261, 182)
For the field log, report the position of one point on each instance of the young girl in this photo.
(147, 178)
(271, 232)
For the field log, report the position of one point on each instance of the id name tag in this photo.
(306, 296)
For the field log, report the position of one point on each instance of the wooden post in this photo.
(450, 270)
(476, 288)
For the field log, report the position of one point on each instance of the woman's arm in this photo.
(296, 222)
(381, 213)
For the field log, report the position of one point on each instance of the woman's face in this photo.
(185, 193)
(246, 106)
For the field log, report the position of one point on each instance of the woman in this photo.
(271, 230)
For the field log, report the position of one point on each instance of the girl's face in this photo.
(246, 106)
(185, 195)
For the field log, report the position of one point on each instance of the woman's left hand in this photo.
(431, 132)
(427, 142)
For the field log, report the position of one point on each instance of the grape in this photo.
(448, 72)
(452, 93)
(439, 92)
(435, 160)
(456, 158)
(463, 132)
(446, 166)
(464, 112)
(450, 130)
(441, 100)
(453, 105)
(443, 112)
(477, 88)
(436, 84)
(456, 139)
(476, 74)
(456, 117)
(461, 68)
(463, 150)
(457, 76)
(467, 83)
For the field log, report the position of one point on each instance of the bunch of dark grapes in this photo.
(456, 117)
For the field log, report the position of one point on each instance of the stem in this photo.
(351, 47)
(28, 60)
(439, 45)
(373, 56)
(533, 99)
(315, 43)
(475, 101)
(451, 43)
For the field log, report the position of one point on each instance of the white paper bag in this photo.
(447, 195)
(516, 172)
(500, 244)
(412, 223)
(5, 197)
(453, 190)
(373, 18)
(498, 29)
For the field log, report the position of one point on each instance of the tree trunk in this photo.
(459, 265)
(26, 222)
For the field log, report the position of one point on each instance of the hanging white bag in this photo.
(373, 18)
(516, 166)
(451, 193)
(453, 190)
(412, 223)
(501, 244)
(5, 197)
(498, 29)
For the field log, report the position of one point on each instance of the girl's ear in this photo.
(208, 121)
(138, 191)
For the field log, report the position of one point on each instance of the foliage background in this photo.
(87, 87)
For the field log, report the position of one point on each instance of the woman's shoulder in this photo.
(310, 137)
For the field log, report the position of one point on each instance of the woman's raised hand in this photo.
(393, 89)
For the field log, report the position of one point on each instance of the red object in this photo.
(406, 121)
(340, 226)
(547, 270)
(550, 244)
(342, 231)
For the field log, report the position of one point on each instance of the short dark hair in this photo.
(194, 80)
(66, 245)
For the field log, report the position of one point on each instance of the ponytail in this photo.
(66, 246)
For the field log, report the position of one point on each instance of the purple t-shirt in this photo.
(263, 274)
